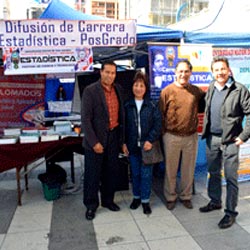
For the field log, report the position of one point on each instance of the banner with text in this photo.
(21, 100)
(47, 60)
(61, 33)
(164, 57)
(239, 60)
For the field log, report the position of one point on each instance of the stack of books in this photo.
(29, 135)
(8, 139)
(50, 137)
(62, 126)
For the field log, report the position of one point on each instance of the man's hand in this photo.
(238, 141)
(98, 148)
(125, 150)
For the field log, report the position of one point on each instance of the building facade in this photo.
(152, 12)
(155, 12)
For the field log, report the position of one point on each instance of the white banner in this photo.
(47, 60)
(63, 33)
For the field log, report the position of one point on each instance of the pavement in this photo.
(61, 225)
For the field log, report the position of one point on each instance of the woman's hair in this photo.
(139, 76)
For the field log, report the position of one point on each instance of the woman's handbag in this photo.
(153, 155)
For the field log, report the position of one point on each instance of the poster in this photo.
(244, 156)
(19, 61)
(21, 100)
(163, 59)
(59, 92)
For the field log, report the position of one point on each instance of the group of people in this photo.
(110, 126)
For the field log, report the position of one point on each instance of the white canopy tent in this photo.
(223, 24)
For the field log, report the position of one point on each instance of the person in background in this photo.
(227, 103)
(61, 93)
(180, 103)
(102, 121)
(142, 128)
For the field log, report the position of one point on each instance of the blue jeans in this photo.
(141, 178)
(219, 155)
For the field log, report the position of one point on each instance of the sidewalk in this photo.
(60, 225)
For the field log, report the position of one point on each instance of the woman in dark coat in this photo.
(142, 128)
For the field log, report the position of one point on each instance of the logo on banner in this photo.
(44, 61)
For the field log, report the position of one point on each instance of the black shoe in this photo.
(226, 222)
(135, 204)
(146, 208)
(112, 207)
(90, 214)
(210, 207)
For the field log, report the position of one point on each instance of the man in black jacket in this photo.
(227, 103)
(102, 125)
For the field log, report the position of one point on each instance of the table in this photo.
(19, 155)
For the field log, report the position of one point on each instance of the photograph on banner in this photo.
(59, 92)
(164, 57)
(19, 61)
(22, 100)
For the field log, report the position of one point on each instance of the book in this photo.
(29, 130)
(68, 134)
(50, 137)
(62, 126)
(12, 131)
(29, 137)
(8, 139)
(46, 130)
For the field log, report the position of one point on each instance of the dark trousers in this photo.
(101, 173)
(226, 156)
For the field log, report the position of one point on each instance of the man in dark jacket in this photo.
(227, 103)
(102, 125)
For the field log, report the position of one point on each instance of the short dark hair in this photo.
(184, 61)
(219, 59)
(140, 76)
(108, 63)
